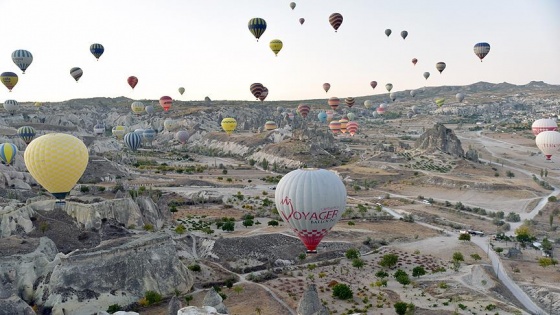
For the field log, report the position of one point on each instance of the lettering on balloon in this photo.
(322, 216)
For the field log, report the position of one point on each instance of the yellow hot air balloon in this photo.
(38, 104)
(56, 161)
(229, 125)
(137, 107)
(276, 45)
(440, 102)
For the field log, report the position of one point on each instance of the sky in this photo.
(206, 47)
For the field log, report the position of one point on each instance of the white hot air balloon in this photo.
(460, 97)
(544, 124)
(311, 201)
(548, 142)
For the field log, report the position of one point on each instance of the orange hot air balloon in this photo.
(334, 126)
(352, 127)
(343, 122)
(334, 102)
(166, 102)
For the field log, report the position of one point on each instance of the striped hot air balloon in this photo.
(276, 45)
(256, 89)
(11, 106)
(26, 133)
(303, 110)
(349, 101)
(334, 126)
(257, 26)
(76, 73)
(335, 20)
(8, 152)
(264, 94)
(137, 107)
(96, 50)
(334, 102)
(481, 50)
(343, 122)
(132, 140)
(270, 125)
(352, 127)
(440, 66)
(22, 58)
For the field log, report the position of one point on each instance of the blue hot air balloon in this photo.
(257, 26)
(97, 50)
(322, 117)
(22, 58)
(132, 140)
(8, 152)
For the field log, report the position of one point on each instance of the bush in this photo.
(113, 308)
(352, 253)
(84, 189)
(194, 267)
(152, 297)
(180, 229)
(552, 199)
(273, 223)
(342, 291)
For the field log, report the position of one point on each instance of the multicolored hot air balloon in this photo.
(389, 87)
(256, 89)
(56, 161)
(303, 110)
(373, 84)
(8, 152)
(9, 79)
(414, 61)
(264, 94)
(404, 34)
(96, 50)
(181, 90)
(334, 126)
(11, 106)
(270, 125)
(440, 102)
(481, 50)
(301, 21)
(132, 81)
(380, 110)
(548, 142)
(326, 87)
(137, 107)
(343, 122)
(544, 124)
(292, 5)
(165, 102)
(229, 125)
(76, 73)
(26, 133)
(349, 101)
(388, 32)
(334, 102)
(257, 26)
(336, 20)
(311, 202)
(322, 116)
(133, 140)
(460, 97)
(118, 132)
(22, 58)
(440, 66)
(352, 127)
(276, 45)
(426, 75)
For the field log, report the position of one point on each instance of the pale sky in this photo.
(205, 46)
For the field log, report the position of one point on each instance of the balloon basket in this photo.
(311, 251)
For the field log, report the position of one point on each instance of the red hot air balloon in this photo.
(303, 110)
(543, 124)
(335, 19)
(264, 94)
(132, 81)
(334, 102)
(352, 127)
(165, 102)
(373, 84)
(414, 61)
(349, 101)
(326, 87)
(256, 89)
(334, 126)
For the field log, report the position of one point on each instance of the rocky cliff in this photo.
(440, 138)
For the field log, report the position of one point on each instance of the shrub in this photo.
(84, 189)
(148, 227)
(113, 308)
(342, 291)
(194, 267)
(180, 229)
(352, 253)
(152, 297)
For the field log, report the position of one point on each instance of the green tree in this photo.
(342, 291)
(457, 259)
(381, 274)
(464, 237)
(510, 174)
(389, 261)
(273, 223)
(523, 234)
(547, 245)
(403, 279)
(188, 299)
(476, 257)
(248, 223)
(228, 226)
(237, 289)
(418, 271)
(352, 253)
(400, 307)
(358, 263)
(547, 261)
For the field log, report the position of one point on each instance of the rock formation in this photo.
(310, 304)
(213, 299)
(442, 139)
(174, 306)
(193, 310)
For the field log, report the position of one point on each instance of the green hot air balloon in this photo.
(257, 26)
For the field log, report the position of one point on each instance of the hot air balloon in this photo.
(56, 161)
(139, 131)
(181, 90)
(426, 75)
(76, 73)
(229, 125)
(389, 87)
(279, 109)
(303, 110)
(256, 89)
(38, 104)
(276, 45)
(481, 50)
(150, 109)
(352, 127)
(22, 58)
(440, 102)
(322, 116)
(264, 94)
(169, 124)
(311, 202)
(413, 93)
(334, 102)
(8, 152)
(292, 5)
(326, 87)
(548, 142)
(368, 104)
(351, 116)
(301, 21)
(165, 102)
(393, 96)
(149, 135)
(270, 125)
(349, 101)
(330, 115)
(404, 34)
(373, 84)
(440, 66)
(132, 140)
(99, 129)
(257, 26)
(380, 110)
(182, 136)
(289, 116)
(544, 124)
(334, 126)
(343, 122)
(118, 132)
(26, 133)
(414, 61)
(97, 50)
(137, 107)
(9, 79)
(460, 97)
(11, 106)
(388, 32)
(335, 19)
(132, 81)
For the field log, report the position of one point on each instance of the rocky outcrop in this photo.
(193, 310)
(213, 299)
(441, 139)
(115, 272)
(174, 306)
(310, 303)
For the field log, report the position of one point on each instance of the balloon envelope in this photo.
(133, 140)
(389, 87)
(229, 125)
(166, 102)
(256, 89)
(97, 50)
(9, 79)
(276, 45)
(11, 106)
(349, 101)
(26, 133)
(322, 116)
(270, 125)
(137, 107)
(303, 110)
(373, 84)
(292, 5)
(326, 86)
(548, 142)
(544, 124)
(426, 75)
(257, 26)
(388, 32)
(181, 90)
(460, 97)
(414, 61)
(334, 102)
(56, 161)
(311, 202)
(440, 66)
(481, 50)
(404, 34)
(301, 21)
(8, 152)
(132, 81)
(76, 73)
(22, 58)
(335, 20)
